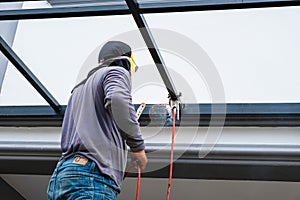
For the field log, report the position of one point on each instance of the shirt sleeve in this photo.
(118, 99)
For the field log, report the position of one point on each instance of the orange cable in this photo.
(171, 156)
(138, 185)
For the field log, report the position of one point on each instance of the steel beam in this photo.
(145, 8)
(153, 48)
(237, 115)
(25, 71)
(224, 162)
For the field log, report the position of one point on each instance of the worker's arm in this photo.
(117, 88)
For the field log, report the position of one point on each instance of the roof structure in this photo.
(239, 115)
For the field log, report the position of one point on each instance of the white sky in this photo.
(255, 51)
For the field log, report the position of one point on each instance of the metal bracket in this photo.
(177, 108)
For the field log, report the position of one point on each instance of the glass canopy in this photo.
(254, 52)
(245, 58)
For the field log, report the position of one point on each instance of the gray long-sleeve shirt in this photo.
(100, 120)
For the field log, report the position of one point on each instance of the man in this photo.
(99, 121)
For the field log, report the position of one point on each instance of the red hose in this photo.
(171, 156)
(138, 185)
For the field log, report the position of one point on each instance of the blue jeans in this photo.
(72, 181)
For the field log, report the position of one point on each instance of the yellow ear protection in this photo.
(133, 66)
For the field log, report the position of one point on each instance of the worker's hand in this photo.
(139, 158)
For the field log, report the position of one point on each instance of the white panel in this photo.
(30, 134)
(228, 135)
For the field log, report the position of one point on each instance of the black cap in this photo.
(114, 49)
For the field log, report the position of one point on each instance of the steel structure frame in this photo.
(137, 12)
(217, 165)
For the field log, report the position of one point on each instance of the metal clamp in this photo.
(176, 106)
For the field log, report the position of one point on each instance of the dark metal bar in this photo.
(153, 48)
(141, 1)
(145, 8)
(237, 115)
(228, 170)
(25, 71)
(31, 116)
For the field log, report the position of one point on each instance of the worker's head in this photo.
(119, 54)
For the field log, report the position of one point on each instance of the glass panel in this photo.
(66, 3)
(24, 5)
(16, 90)
(245, 55)
(7, 32)
(198, 2)
(10, 5)
(60, 52)
(254, 51)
